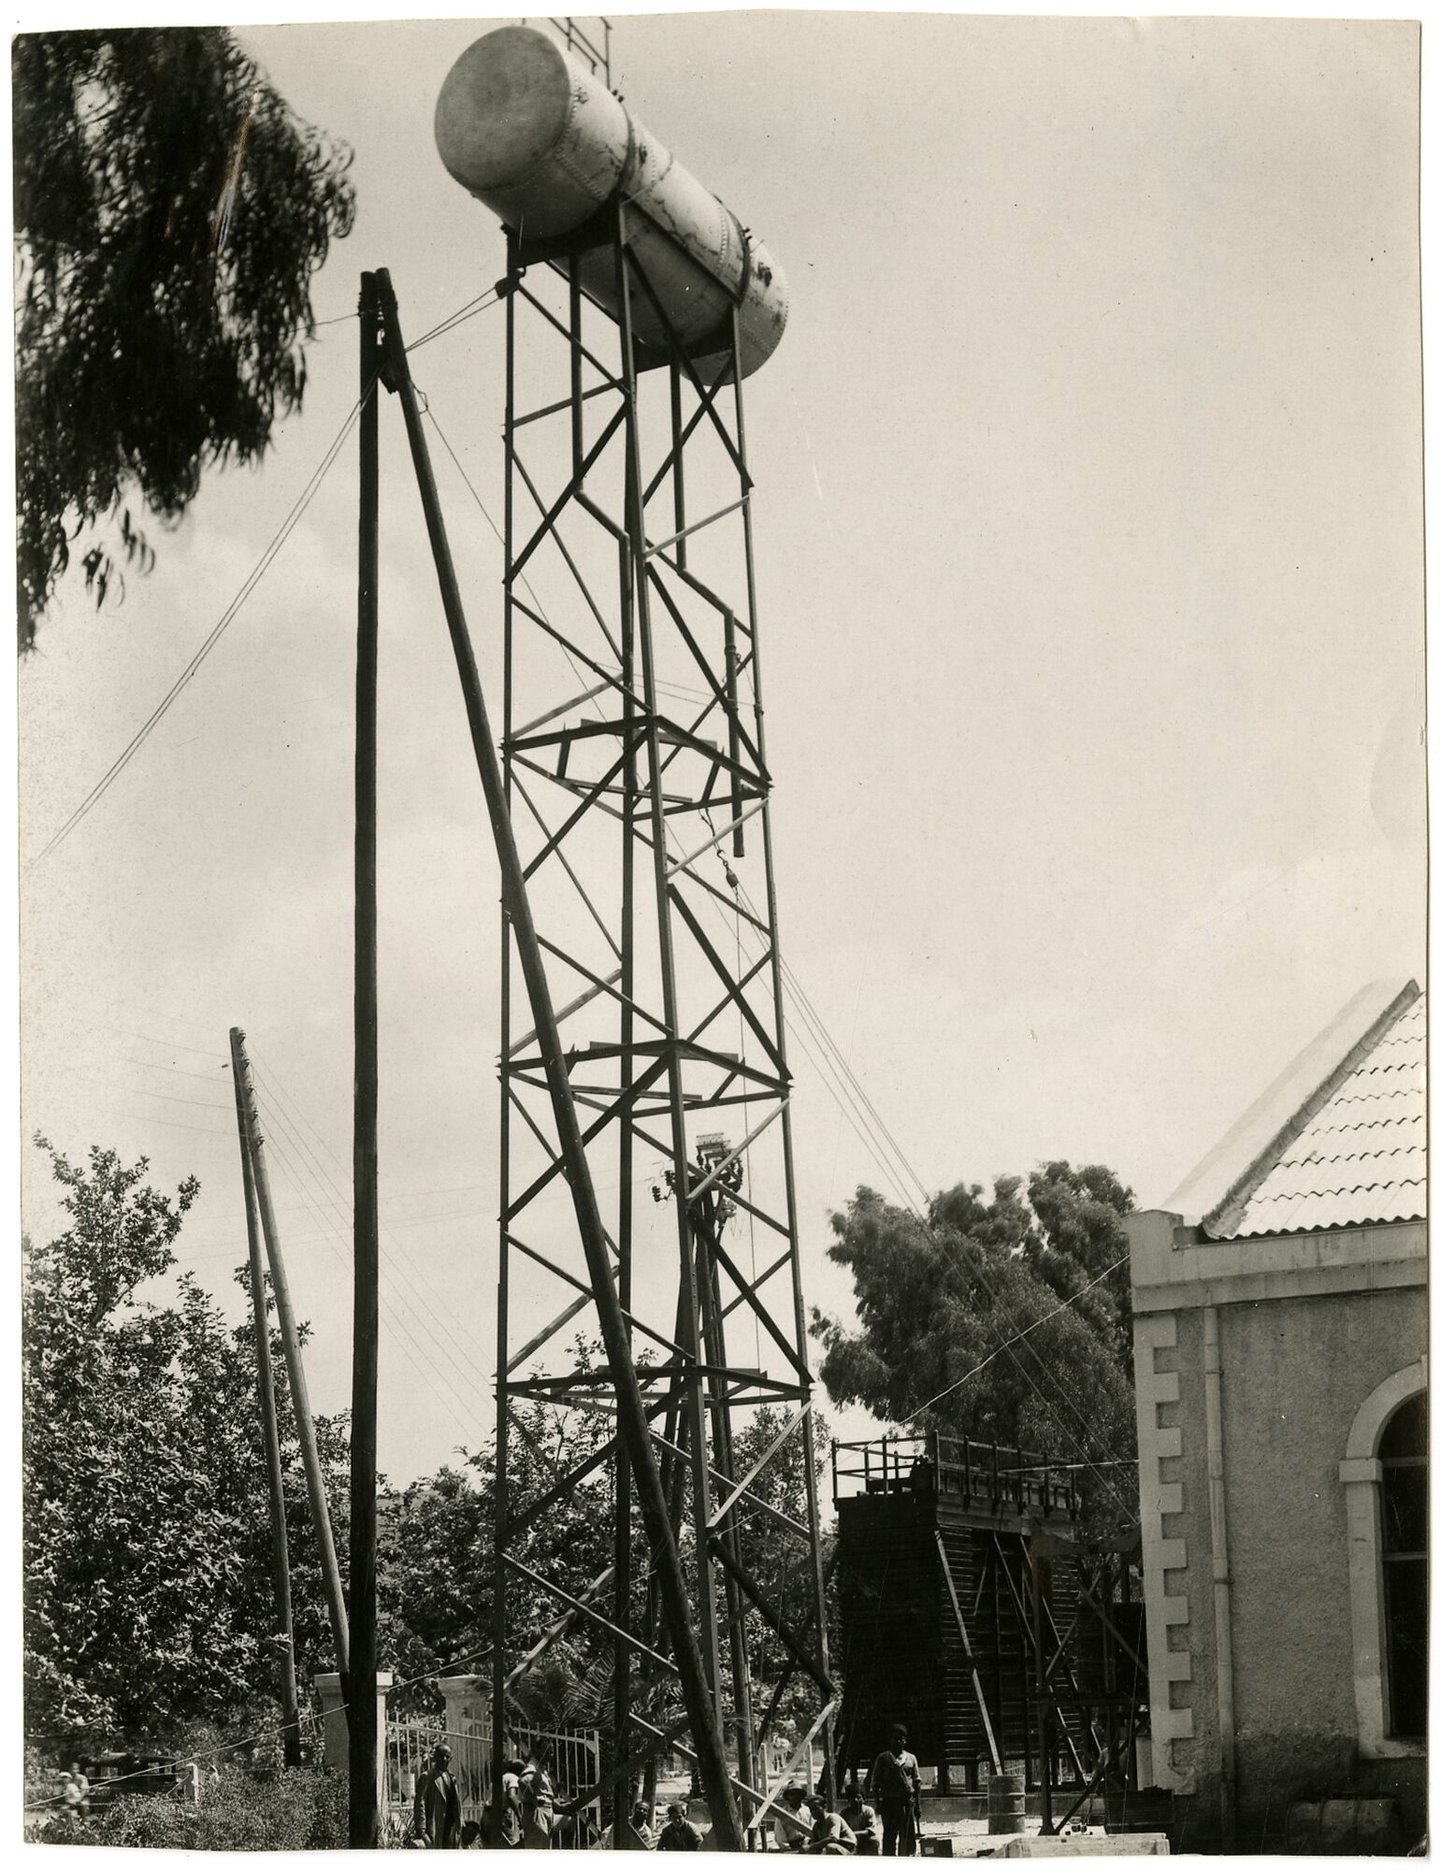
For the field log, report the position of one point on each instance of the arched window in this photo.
(1385, 1477)
(1404, 1561)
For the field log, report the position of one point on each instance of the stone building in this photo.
(1280, 1362)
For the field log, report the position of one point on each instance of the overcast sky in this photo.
(1088, 517)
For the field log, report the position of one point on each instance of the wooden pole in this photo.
(294, 1366)
(265, 1384)
(1042, 1690)
(365, 1368)
(632, 1423)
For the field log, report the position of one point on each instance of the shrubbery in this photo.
(150, 1612)
(291, 1811)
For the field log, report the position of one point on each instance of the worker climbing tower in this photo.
(635, 770)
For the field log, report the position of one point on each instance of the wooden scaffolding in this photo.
(973, 1610)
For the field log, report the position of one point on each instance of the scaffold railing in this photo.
(983, 1476)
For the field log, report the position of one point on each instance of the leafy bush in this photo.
(294, 1811)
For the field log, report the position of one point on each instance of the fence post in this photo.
(467, 1724)
(337, 1726)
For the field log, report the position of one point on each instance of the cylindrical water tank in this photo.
(544, 145)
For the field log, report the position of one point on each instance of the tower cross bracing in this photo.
(635, 769)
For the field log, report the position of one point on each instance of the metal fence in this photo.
(574, 1765)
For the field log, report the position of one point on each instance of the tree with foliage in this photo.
(432, 1585)
(149, 1604)
(1005, 1319)
(169, 213)
(149, 1609)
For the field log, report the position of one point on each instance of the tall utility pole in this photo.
(364, 1394)
(270, 1429)
(294, 1363)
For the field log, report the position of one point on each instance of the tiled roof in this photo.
(1358, 1159)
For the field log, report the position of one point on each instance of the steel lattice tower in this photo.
(635, 769)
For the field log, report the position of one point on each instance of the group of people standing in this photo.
(524, 1814)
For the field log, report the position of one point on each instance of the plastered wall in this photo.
(1295, 1369)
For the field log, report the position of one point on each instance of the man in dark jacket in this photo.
(894, 1783)
(437, 1805)
(677, 1833)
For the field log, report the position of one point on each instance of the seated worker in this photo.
(830, 1836)
(677, 1833)
(862, 1821)
(639, 1829)
(792, 1824)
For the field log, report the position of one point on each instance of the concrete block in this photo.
(1155, 1331)
(1160, 1386)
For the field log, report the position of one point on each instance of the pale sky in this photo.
(1088, 518)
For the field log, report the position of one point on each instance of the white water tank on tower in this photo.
(544, 144)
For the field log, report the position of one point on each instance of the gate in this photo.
(574, 1765)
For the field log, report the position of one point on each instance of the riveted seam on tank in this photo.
(583, 178)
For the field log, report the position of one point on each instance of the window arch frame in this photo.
(1360, 1474)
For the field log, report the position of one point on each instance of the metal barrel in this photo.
(1349, 1827)
(1006, 1802)
(542, 142)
